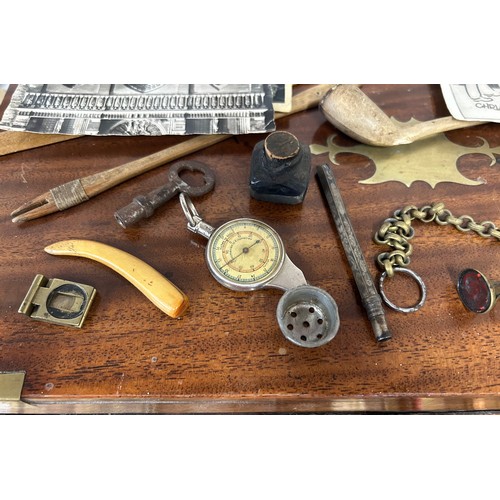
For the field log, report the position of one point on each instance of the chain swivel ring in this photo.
(418, 279)
(195, 222)
(189, 210)
(397, 231)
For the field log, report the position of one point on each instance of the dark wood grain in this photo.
(227, 353)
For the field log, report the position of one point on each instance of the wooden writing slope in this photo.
(227, 353)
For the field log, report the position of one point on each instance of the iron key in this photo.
(143, 206)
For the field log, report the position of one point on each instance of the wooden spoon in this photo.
(352, 112)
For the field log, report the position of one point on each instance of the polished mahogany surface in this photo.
(227, 353)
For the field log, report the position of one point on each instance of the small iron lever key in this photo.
(143, 206)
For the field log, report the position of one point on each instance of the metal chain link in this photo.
(397, 231)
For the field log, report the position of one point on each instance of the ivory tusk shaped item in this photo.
(160, 291)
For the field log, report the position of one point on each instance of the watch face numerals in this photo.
(244, 254)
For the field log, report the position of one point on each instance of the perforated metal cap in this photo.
(308, 316)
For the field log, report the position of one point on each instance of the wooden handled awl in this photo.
(160, 291)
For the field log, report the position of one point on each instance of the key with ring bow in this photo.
(143, 206)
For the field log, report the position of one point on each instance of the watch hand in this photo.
(245, 250)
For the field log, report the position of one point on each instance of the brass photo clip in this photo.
(57, 301)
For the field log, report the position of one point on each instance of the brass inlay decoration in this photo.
(430, 160)
(11, 385)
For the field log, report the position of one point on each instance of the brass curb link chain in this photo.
(397, 231)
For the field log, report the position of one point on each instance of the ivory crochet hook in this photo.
(158, 289)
